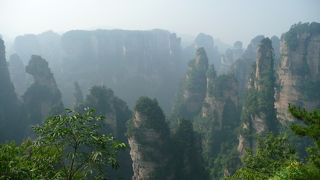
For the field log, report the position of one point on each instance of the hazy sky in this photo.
(228, 20)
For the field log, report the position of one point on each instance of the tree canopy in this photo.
(67, 146)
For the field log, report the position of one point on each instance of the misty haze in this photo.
(160, 89)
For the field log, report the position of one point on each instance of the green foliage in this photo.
(193, 88)
(226, 162)
(291, 37)
(275, 159)
(310, 127)
(220, 85)
(153, 114)
(272, 154)
(100, 98)
(297, 171)
(42, 98)
(117, 114)
(260, 100)
(149, 120)
(68, 146)
(187, 153)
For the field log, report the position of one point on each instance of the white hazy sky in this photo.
(228, 20)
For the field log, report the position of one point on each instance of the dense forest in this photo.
(137, 104)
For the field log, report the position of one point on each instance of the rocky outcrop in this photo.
(230, 56)
(211, 103)
(133, 63)
(215, 124)
(243, 66)
(219, 90)
(258, 114)
(204, 41)
(299, 70)
(18, 74)
(43, 97)
(276, 50)
(148, 139)
(10, 122)
(194, 87)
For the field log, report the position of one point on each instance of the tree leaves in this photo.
(68, 146)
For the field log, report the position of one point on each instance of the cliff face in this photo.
(243, 66)
(9, 105)
(43, 97)
(219, 113)
(132, 63)
(194, 87)
(18, 74)
(47, 44)
(299, 70)
(148, 139)
(258, 114)
(211, 102)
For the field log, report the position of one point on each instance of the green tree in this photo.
(67, 146)
(273, 153)
(310, 127)
(189, 163)
(117, 113)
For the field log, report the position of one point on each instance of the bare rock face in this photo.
(43, 97)
(148, 140)
(258, 114)
(299, 70)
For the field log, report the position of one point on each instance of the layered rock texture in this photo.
(299, 70)
(43, 97)
(149, 138)
(258, 113)
(9, 104)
